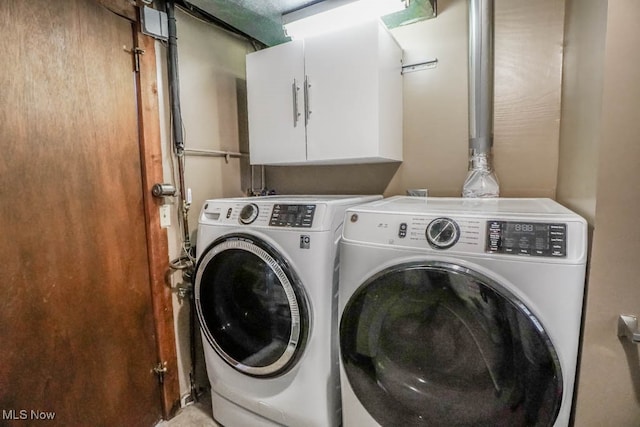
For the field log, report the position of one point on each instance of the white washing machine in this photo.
(266, 297)
(460, 312)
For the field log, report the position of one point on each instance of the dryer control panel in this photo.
(562, 241)
(527, 238)
(526, 230)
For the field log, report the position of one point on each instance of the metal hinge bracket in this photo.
(160, 370)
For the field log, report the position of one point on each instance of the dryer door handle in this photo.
(628, 327)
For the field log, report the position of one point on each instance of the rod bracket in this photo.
(628, 328)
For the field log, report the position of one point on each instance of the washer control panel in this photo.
(299, 216)
(527, 238)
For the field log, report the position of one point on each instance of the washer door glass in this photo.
(251, 306)
(440, 345)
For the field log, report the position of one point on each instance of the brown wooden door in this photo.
(76, 319)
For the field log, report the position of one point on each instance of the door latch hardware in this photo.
(163, 190)
(136, 51)
(160, 370)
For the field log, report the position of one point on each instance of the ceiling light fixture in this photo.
(330, 15)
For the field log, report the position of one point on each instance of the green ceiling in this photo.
(262, 19)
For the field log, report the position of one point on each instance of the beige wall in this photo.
(527, 109)
(213, 104)
(609, 378)
(528, 74)
(435, 104)
(212, 71)
(580, 130)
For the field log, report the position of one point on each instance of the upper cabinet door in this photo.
(334, 98)
(346, 107)
(275, 102)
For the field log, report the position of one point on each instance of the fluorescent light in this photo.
(330, 15)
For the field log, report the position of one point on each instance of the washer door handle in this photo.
(628, 327)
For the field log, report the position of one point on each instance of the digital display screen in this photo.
(526, 238)
(292, 215)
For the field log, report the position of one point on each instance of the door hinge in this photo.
(136, 52)
(160, 370)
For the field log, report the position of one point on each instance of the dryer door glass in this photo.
(251, 306)
(437, 344)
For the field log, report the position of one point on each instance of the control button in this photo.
(402, 231)
(229, 212)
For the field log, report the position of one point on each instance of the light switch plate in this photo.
(165, 216)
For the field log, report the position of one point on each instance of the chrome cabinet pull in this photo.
(628, 327)
(307, 111)
(294, 90)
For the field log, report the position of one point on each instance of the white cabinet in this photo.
(330, 99)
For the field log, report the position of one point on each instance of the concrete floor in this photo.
(195, 415)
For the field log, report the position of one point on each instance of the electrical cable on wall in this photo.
(186, 260)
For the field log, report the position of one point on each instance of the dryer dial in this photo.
(249, 213)
(442, 233)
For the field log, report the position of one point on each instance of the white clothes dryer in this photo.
(266, 298)
(460, 312)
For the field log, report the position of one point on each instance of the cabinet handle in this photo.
(307, 110)
(296, 114)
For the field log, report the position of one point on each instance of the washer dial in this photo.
(442, 233)
(249, 213)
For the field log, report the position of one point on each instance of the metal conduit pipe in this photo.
(481, 180)
(176, 116)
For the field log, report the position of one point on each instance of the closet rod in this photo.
(214, 153)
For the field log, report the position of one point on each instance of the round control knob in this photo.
(249, 213)
(442, 233)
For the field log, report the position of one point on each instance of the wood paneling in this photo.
(125, 8)
(157, 237)
(77, 325)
